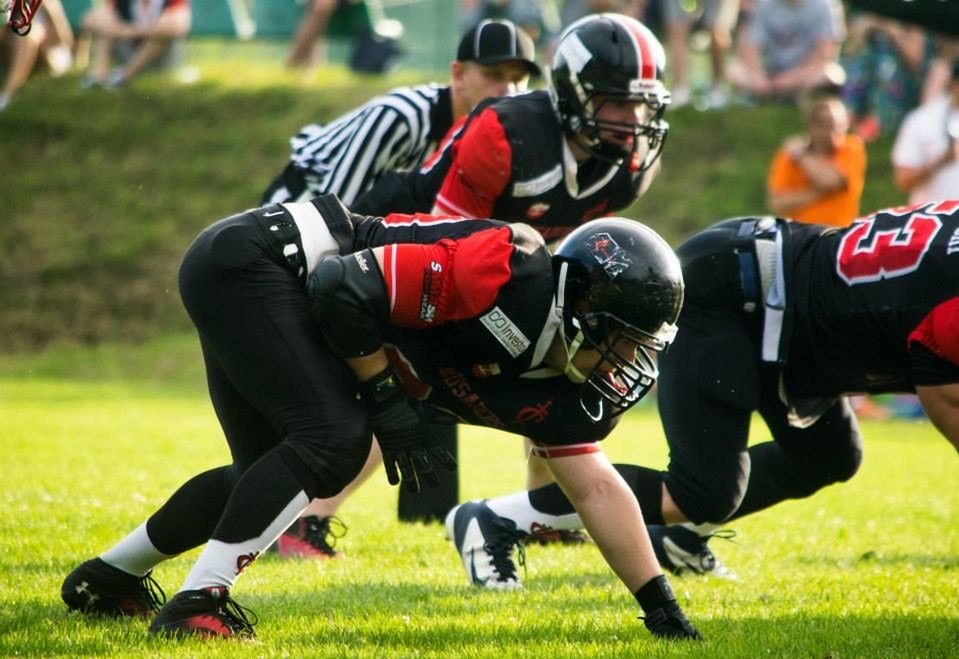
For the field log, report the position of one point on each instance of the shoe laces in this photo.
(323, 532)
(500, 549)
(238, 618)
(152, 591)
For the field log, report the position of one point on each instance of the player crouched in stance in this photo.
(781, 319)
(302, 306)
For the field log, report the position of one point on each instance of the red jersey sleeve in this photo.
(482, 161)
(446, 281)
(939, 331)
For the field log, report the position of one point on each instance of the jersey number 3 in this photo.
(868, 253)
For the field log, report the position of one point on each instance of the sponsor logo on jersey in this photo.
(361, 261)
(537, 211)
(608, 254)
(460, 388)
(430, 292)
(505, 331)
(486, 370)
(540, 184)
(533, 413)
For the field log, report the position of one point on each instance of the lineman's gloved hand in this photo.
(404, 440)
(663, 617)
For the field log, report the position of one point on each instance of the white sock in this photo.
(518, 508)
(135, 553)
(220, 563)
(702, 530)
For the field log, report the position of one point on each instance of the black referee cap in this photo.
(492, 42)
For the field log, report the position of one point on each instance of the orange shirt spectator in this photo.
(818, 177)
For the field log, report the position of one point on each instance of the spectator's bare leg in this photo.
(677, 41)
(23, 57)
(172, 24)
(308, 38)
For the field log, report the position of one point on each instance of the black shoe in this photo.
(99, 588)
(485, 544)
(311, 537)
(204, 612)
(679, 550)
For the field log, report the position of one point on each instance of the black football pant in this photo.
(287, 405)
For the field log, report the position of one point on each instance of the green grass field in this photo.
(865, 569)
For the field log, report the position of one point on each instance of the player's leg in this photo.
(119, 581)
(800, 461)
(315, 533)
(255, 316)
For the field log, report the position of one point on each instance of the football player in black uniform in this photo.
(782, 319)
(587, 146)
(581, 149)
(319, 327)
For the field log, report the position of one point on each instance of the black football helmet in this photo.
(620, 287)
(606, 56)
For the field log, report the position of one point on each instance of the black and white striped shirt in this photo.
(346, 156)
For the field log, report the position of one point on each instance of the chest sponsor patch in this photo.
(505, 331)
(540, 184)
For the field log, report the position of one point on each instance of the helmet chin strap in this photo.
(571, 346)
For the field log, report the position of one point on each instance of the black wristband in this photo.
(654, 594)
(382, 386)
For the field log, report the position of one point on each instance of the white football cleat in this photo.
(485, 543)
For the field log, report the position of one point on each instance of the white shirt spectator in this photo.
(922, 140)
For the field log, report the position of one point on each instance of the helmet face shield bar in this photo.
(626, 370)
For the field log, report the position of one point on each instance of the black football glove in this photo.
(404, 441)
(669, 621)
(663, 616)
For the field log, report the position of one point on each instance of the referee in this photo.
(399, 129)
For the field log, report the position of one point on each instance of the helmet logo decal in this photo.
(608, 254)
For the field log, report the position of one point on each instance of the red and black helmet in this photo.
(610, 56)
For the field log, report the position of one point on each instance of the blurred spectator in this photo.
(527, 14)
(818, 177)
(937, 77)
(308, 48)
(925, 157)
(573, 10)
(137, 34)
(885, 62)
(789, 46)
(717, 17)
(50, 35)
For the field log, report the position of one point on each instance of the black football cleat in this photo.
(209, 612)
(98, 588)
(681, 550)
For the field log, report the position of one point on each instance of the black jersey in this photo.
(471, 315)
(510, 161)
(864, 298)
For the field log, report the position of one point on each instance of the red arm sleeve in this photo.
(939, 331)
(449, 280)
(482, 161)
